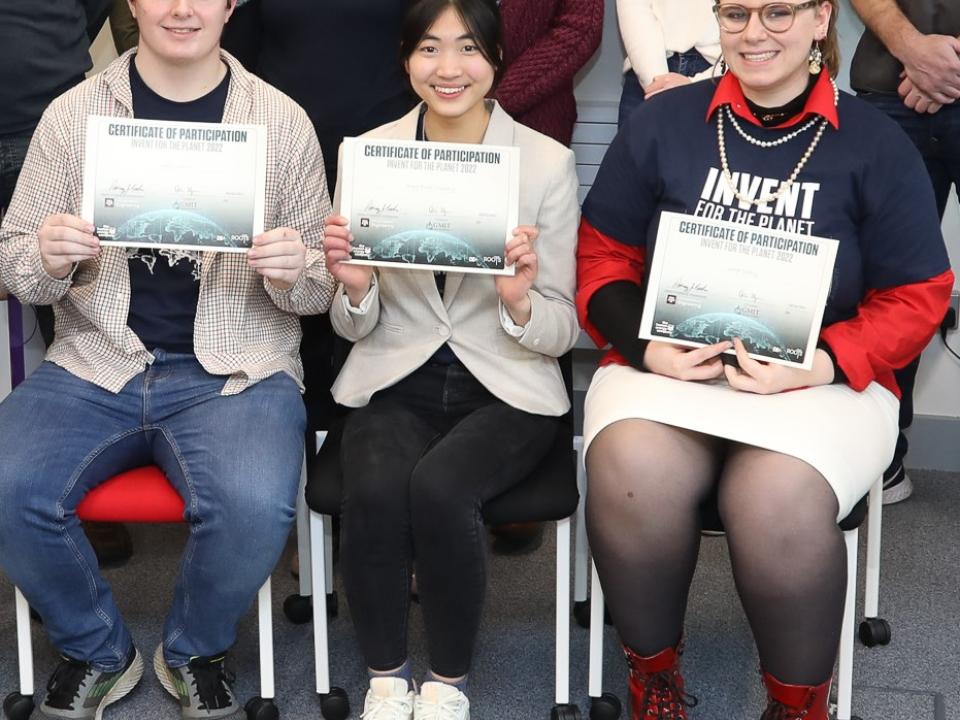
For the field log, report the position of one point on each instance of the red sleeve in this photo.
(890, 329)
(550, 63)
(602, 260)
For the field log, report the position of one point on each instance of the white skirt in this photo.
(848, 436)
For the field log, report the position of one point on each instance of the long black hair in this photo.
(480, 17)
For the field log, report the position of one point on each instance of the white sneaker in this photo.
(439, 701)
(389, 698)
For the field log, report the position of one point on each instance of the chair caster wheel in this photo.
(17, 706)
(335, 705)
(605, 707)
(298, 608)
(581, 613)
(565, 712)
(333, 604)
(261, 709)
(875, 631)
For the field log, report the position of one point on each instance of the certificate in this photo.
(186, 186)
(427, 205)
(712, 280)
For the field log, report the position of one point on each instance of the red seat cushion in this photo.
(141, 495)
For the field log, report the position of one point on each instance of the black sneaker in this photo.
(203, 686)
(78, 691)
(897, 486)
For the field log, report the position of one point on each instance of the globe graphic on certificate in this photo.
(429, 247)
(174, 227)
(712, 328)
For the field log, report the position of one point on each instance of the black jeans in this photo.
(418, 463)
(13, 150)
(937, 137)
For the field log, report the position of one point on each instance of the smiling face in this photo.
(773, 67)
(181, 31)
(448, 70)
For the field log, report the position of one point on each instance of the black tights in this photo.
(646, 482)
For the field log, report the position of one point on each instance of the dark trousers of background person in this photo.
(418, 463)
(13, 150)
(937, 137)
(687, 63)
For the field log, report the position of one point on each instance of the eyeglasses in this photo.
(776, 17)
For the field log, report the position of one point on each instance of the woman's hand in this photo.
(769, 378)
(513, 289)
(356, 279)
(64, 240)
(702, 363)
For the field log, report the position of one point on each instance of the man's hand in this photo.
(769, 378)
(513, 289)
(279, 255)
(337, 240)
(664, 82)
(932, 64)
(682, 363)
(914, 99)
(65, 240)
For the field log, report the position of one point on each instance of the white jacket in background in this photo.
(653, 29)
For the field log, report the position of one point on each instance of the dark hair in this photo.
(480, 17)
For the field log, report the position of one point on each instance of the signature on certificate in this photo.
(119, 188)
(748, 295)
(385, 208)
(691, 286)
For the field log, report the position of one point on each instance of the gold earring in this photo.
(816, 59)
(722, 66)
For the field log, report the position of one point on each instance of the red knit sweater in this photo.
(546, 43)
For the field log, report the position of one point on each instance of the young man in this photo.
(907, 65)
(185, 360)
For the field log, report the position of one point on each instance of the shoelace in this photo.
(778, 711)
(662, 693)
(385, 708)
(64, 684)
(211, 680)
(449, 708)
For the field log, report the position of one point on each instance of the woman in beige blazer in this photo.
(454, 375)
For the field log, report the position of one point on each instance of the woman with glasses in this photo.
(772, 144)
(669, 43)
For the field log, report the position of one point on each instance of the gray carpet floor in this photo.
(916, 677)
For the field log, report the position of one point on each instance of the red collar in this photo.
(820, 102)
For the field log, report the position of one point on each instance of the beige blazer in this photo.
(407, 320)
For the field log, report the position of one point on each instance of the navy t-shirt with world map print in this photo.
(165, 283)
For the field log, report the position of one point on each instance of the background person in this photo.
(667, 426)
(473, 366)
(907, 65)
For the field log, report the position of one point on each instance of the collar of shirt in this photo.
(820, 102)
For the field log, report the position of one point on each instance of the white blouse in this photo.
(653, 29)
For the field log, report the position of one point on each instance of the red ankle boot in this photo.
(795, 702)
(656, 686)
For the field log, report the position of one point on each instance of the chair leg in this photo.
(874, 630)
(581, 552)
(595, 679)
(303, 536)
(845, 673)
(334, 703)
(263, 707)
(563, 613)
(18, 705)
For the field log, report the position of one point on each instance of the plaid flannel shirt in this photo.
(245, 327)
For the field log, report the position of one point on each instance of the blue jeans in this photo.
(937, 137)
(234, 459)
(688, 63)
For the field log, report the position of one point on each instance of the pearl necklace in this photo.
(786, 184)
